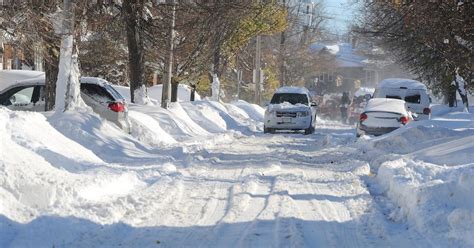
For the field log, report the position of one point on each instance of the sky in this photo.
(342, 13)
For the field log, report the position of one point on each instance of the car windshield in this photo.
(292, 98)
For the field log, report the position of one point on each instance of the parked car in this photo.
(29, 95)
(383, 115)
(413, 92)
(291, 108)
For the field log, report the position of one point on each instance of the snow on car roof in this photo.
(292, 89)
(386, 105)
(11, 77)
(401, 83)
(39, 79)
(94, 80)
(362, 91)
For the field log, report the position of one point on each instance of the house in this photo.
(13, 57)
(351, 68)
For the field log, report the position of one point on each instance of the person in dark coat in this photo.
(344, 106)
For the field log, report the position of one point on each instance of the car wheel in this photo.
(268, 130)
(310, 129)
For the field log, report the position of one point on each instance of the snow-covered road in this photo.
(284, 190)
(225, 190)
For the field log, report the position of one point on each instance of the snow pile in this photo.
(435, 199)
(155, 93)
(426, 169)
(185, 121)
(45, 172)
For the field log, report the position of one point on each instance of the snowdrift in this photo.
(426, 169)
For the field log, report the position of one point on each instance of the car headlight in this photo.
(302, 114)
(269, 111)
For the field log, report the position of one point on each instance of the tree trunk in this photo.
(51, 75)
(174, 90)
(461, 88)
(132, 13)
(166, 93)
(193, 92)
(67, 85)
(282, 59)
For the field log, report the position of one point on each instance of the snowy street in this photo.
(228, 189)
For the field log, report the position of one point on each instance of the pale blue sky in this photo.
(342, 12)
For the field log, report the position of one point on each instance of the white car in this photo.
(383, 115)
(29, 95)
(290, 109)
(413, 92)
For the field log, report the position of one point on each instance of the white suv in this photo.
(290, 109)
(414, 93)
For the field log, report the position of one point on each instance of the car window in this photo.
(22, 97)
(393, 97)
(292, 98)
(413, 96)
(413, 99)
(114, 92)
(96, 92)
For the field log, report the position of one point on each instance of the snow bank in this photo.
(435, 199)
(155, 93)
(426, 169)
(44, 172)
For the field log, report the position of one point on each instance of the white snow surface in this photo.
(401, 82)
(292, 89)
(362, 91)
(204, 174)
(154, 93)
(386, 105)
(10, 77)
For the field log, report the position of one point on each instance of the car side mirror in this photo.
(313, 104)
(13, 99)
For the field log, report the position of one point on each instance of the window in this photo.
(413, 99)
(394, 97)
(96, 92)
(290, 98)
(22, 97)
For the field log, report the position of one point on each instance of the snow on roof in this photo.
(346, 55)
(292, 89)
(362, 91)
(94, 80)
(386, 105)
(401, 83)
(10, 77)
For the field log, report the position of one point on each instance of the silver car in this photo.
(29, 95)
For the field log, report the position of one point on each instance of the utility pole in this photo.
(257, 72)
(282, 54)
(239, 81)
(166, 92)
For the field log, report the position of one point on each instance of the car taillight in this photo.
(404, 120)
(363, 117)
(117, 106)
(426, 111)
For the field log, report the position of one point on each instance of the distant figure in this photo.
(344, 106)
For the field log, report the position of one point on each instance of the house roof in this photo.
(345, 54)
